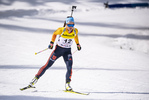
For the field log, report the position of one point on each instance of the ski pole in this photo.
(74, 52)
(41, 51)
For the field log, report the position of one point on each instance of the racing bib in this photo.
(65, 43)
(66, 39)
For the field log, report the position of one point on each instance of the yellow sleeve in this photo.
(76, 37)
(57, 32)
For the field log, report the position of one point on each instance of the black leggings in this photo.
(58, 52)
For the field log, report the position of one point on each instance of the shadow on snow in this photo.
(36, 2)
(62, 68)
(26, 29)
(121, 92)
(20, 13)
(49, 31)
(21, 97)
(43, 2)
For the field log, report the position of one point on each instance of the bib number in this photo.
(65, 43)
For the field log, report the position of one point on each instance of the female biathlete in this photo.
(63, 48)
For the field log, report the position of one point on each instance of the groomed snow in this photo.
(112, 65)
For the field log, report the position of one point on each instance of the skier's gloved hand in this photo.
(51, 45)
(78, 47)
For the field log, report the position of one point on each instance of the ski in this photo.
(27, 87)
(75, 92)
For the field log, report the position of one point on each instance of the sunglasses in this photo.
(70, 25)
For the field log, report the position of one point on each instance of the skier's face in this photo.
(70, 26)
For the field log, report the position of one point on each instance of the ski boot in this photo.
(68, 87)
(34, 81)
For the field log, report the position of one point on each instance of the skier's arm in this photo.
(76, 37)
(77, 40)
(53, 38)
(57, 32)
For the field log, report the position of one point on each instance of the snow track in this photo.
(112, 65)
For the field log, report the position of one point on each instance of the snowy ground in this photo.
(112, 65)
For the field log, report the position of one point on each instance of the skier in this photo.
(63, 48)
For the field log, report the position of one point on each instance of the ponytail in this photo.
(64, 24)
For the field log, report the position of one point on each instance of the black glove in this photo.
(51, 45)
(78, 47)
